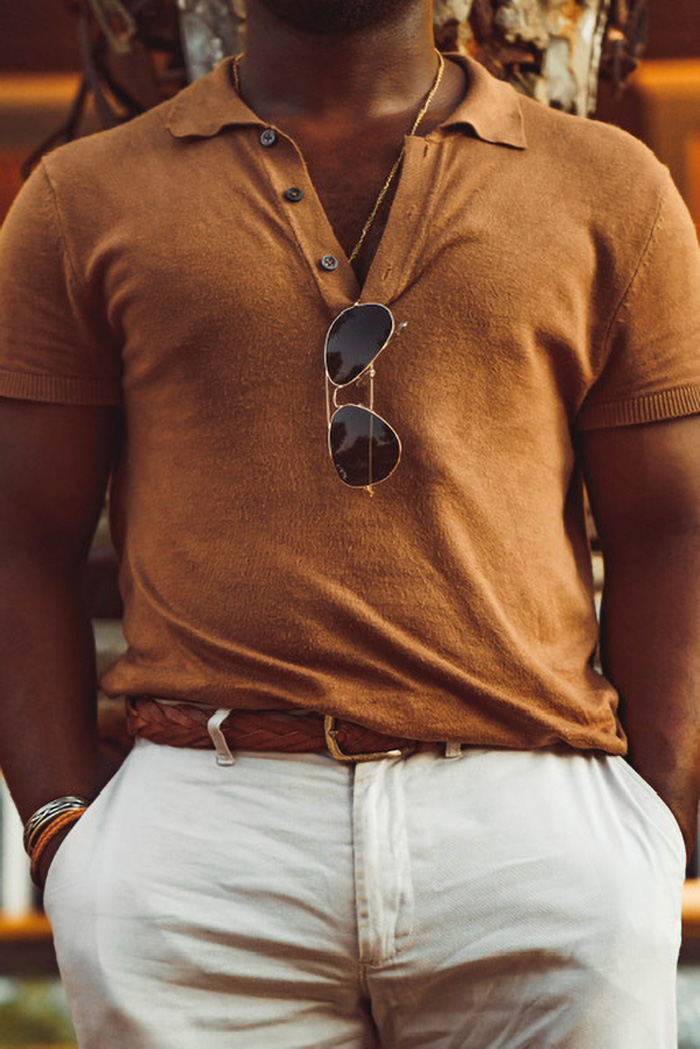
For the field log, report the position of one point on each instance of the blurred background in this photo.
(72, 67)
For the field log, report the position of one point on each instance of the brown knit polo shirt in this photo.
(550, 277)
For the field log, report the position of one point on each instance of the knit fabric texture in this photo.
(549, 275)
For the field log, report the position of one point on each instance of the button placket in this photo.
(291, 183)
(400, 247)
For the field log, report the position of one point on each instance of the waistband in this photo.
(180, 724)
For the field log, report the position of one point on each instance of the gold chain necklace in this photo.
(383, 191)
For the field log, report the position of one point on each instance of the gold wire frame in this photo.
(369, 488)
(367, 370)
(356, 305)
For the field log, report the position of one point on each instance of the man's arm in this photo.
(54, 465)
(644, 486)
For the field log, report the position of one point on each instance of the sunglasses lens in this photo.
(364, 449)
(354, 339)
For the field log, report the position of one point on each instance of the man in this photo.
(499, 861)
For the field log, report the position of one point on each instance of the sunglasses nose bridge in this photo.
(367, 373)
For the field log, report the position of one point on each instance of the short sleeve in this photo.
(652, 352)
(54, 343)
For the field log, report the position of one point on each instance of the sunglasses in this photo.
(363, 446)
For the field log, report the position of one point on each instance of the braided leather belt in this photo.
(189, 725)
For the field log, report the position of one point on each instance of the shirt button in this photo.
(268, 137)
(329, 262)
(294, 194)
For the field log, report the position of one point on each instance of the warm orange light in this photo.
(693, 155)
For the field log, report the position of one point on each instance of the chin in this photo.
(337, 17)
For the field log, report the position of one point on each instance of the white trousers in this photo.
(496, 900)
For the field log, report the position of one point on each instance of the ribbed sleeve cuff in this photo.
(666, 404)
(58, 389)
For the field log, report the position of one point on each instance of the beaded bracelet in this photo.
(46, 814)
(64, 820)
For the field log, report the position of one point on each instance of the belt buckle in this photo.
(331, 733)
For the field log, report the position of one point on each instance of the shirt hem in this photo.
(58, 389)
(652, 407)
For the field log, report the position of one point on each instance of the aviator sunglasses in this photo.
(363, 446)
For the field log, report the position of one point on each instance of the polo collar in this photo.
(490, 108)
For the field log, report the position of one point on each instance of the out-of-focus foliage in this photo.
(34, 1012)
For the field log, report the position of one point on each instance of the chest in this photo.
(218, 282)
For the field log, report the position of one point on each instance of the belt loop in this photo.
(453, 749)
(223, 754)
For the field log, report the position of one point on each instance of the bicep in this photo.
(55, 461)
(643, 481)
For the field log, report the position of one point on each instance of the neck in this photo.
(380, 72)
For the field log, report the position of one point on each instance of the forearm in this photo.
(650, 650)
(47, 684)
